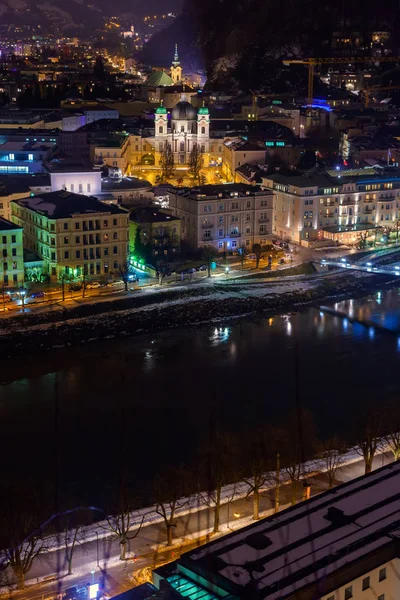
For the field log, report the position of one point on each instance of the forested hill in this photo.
(238, 42)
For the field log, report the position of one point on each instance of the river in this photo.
(77, 415)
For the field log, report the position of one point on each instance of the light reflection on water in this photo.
(170, 386)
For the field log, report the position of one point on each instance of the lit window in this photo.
(30, 156)
(11, 156)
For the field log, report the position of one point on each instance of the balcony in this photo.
(368, 211)
(386, 197)
(207, 238)
(207, 225)
(349, 202)
(327, 215)
(263, 220)
(235, 235)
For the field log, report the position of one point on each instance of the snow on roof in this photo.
(305, 544)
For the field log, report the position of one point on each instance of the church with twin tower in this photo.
(184, 126)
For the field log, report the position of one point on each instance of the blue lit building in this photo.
(24, 157)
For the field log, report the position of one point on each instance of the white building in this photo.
(336, 205)
(224, 216)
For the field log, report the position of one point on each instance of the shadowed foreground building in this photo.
(342, 544)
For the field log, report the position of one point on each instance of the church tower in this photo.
(176, 69)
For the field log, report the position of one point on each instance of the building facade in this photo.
(12, 253)
(159, 231)
(224, 216)
(73, 234)
(332, 205)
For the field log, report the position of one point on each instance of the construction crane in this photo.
(311, 63)
(368, 91)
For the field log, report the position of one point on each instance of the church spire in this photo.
(176, 62)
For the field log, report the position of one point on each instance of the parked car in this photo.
(93, 285)
(75, 287)
(133, 278)
(117, 283)
(39, 294)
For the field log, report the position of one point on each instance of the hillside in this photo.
(241, 43)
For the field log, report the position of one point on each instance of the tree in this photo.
(166, 162)
(169, 491)
(99, 70)
(64, 278)
(21, 535)
(257, 467)
(363, 239)
(257, 250)
(331, 454)
(139, 247)
(195, 163)
(208, 253)
(369, 432)
(217, 459)
(392, 427)
(122, 522)
(125, 271)
(163, 267)
(242, 253)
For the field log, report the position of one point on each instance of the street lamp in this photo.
(22, 294)
(227, 271)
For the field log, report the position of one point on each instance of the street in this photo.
(99, 559)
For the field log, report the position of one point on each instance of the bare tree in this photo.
(169, 490)
(393, 441)
(70, 540)
(208, 253)
(258, 463)
(64, 279)
(369, 435)
(258, 252)
(123, 522)
(195, 163)
(242, 253)
(125, 272)
(391, 426)
(166, 162)
(331, 454)
(21, 535)
(218, 467)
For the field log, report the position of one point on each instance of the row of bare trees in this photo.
(263, 459)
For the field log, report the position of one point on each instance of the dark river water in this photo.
(78, 415)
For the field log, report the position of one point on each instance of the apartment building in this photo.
(12, 253)
(339, 545)
(224, 216)
(112, 151)
(238, 152)
(74, 234)
(159, 231)
(335, 205)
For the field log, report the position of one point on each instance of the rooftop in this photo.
(22, 184)
(7, 225)
(124, 183)
(149, 214)
(65, 205)
(69, 166)
(220, 191)
(309, 549)
(335, 177)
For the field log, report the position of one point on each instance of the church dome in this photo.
(204, 110)
(183, 111)
(161, 110)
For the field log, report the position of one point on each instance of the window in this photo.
(14, 252)
(348, 592)
(15, 278)
(382, 574)
(11, 156)
(105, 237)
(4, 239)
(78, 254)
(234, 244)
(221, 220)
(381, 597)
(207, 233)
(182, 146)
(77, 239)
(207, 208)
(66, 254)
(72, 187)
(80, 188)
(53, 270)
(65, 240)
(264, 203)
(115, 265)
(105, 223)
(76, 225)
(114, 222)
(160, 130)
(220, 232)
(220, 244)
(13, 239)
(65, 226)
(115, 235)
(203, 130)
(88, 188)
(5, 266)
(52, 227)
(4, 253)
(53, 256)
(365, 583)
(115, 249)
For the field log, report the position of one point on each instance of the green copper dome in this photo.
(161, 110)
(203, 110)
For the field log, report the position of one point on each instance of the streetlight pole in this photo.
(97, 548)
